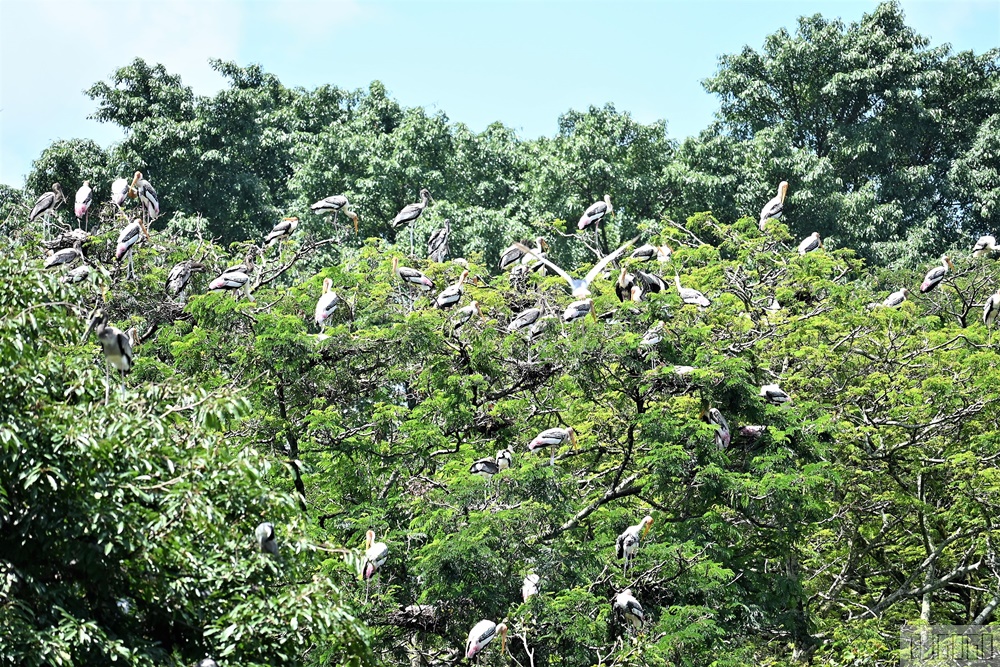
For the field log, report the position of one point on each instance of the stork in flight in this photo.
(579, 287)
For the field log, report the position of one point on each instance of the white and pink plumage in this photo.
(376, 553)
(482, 634)
(595, 213)
(553, 437)
(84, 197)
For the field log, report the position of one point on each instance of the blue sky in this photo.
(522, 63)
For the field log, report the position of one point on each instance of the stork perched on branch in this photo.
(116, 345)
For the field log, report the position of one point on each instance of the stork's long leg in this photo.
(552, 459)
(107, 384)
(411, 240)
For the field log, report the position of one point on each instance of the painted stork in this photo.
(84, 198)
(648, 252)
(326, 304)
(990, 309)
(147, 198)
(127, 240)
(579, 309)
(775, 207)
(437, 244)
(627, 609)
(207, 662)
(896, 298)
(376, 554)
(452, 294)
(412, 276)
(281, 231)
(627, 543)
(120, 190)
(505, 458)
(595, 213)
(77, 275)
(46, 205)
(180, 276)
(482, 634)
(691, 297)
(266, 541)
(463, 315)
(554, 438)
(411, 212)
(116, 344)
(723, 436)
(540, 327)
(231, 281)
(650, 283)
(810, 243)
(774, 394)
(335, 204)
(579, 288)
(529, 586)
(523, 319)
(64, 257)
(653, 336)
(984, 246)
(512, 255)
(624, 284)
(936, 275)
(485, 468)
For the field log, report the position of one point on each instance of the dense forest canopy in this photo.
(814, 447)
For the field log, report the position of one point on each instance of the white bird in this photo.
(774, 394)
(482, 634)
(63, 257)
(990, 309)
(775, 207)
(129, 237)
(485, 468)
(437, 244)
(411, 212)
(376, 554)
(690, 296)
(335, 204)
(281, 231)
(266, 541)
(77, 275)
(116, 345)
(464, 314)
(579, 309)
(46, 205)
(595, 213)
(810, 243)
(628, 609)
(645, 253)
(180, 275)
(207, 662)
(452, 294)
(653, 335)
(505, 459)
(984, 246)
(147, 197)
(326, 304)
(84, 198)
(896, 298)
(936, 275)
(723, 436)
(523, 319)
(412, 276)
(230, 281)
(627, 543)
(579, 288)
(530, 586)
(554, 438)
(120, 191)
(512, 255)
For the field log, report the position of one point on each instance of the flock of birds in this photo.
(519, 259)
